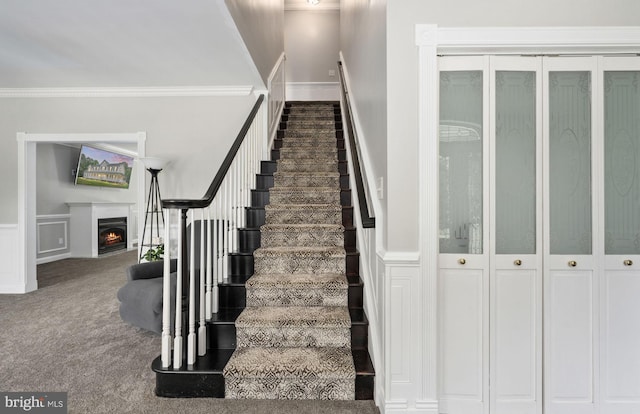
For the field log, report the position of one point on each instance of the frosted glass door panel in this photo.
(622, 171)
(461, 169)
(515, 162)
(570, 163)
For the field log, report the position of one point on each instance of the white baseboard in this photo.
(49, 259)
(313, 91)
(10, 278)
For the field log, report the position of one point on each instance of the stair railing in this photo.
(216, 216)
(367, 218)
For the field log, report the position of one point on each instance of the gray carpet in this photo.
(68, 336)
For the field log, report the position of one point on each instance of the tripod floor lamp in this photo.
(151, 243)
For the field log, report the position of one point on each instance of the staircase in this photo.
(291, 323)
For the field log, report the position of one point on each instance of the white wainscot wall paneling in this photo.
(52, 233)
(404, 333)
(10, 279)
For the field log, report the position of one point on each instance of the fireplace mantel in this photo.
(84, 224)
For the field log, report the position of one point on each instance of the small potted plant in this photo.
(153, 255)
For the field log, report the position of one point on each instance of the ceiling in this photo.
(304, 5)
(123, 43)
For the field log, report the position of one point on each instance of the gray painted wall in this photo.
(55, 183)
(194, 133)
(312, 45)
(363, 44)
(260, 22)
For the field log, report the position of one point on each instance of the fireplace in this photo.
(112, 234)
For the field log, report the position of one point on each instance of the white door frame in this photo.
(433, 41)
(26, 266)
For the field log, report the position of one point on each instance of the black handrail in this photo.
(206, 200)
(368, 221)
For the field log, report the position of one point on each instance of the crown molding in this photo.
(127, 92)
(529, 40)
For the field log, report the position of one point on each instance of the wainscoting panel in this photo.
(404, 334)
(620, 329)
(52, 234)
(10, 279)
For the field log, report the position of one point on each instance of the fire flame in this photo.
(112, 238)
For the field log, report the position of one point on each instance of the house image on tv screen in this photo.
(98, 167)
(111, 173)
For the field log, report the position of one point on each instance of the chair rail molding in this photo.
(433, 41)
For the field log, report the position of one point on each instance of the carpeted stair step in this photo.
(291, 373)
(299, 260)
(303, 213)
(307, 116)
(287, 326)
(325, 289)
(292, 235)
(311, 124)
(307, 165)
(307, 179)
(304, 195)
(308, 133)
(319, 153)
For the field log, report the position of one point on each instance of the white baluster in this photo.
(177, 341)
(202, 329)
(166, 297)
(209, 295)
(191, 337)
(219, 239)
(225, 227)
(213, 265)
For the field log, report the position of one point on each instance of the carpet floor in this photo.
(68, 336)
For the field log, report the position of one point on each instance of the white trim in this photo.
(9, 275)
(529, 40)
(126, 92)
(275, 106)
(55, 258)
(400, 258)
(52, 216)
(313, 91)
(434, 41)
(26, 228)
(57, 249)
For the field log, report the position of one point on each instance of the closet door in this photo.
(571, 282)
(620, 289)
(464, 249)
(516, 236)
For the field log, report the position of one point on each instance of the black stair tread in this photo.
(212, 363)
(362, 362)
(235, 280)
(226, 315)
(358, 317)
(355, 280)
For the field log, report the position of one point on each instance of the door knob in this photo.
(462, 261)
(517, 262)
(628, 262)
(573, 263)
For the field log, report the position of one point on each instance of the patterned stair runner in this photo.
(294, 339)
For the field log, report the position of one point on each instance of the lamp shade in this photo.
(153, 163)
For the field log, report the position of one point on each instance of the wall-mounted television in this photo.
(102, 168)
